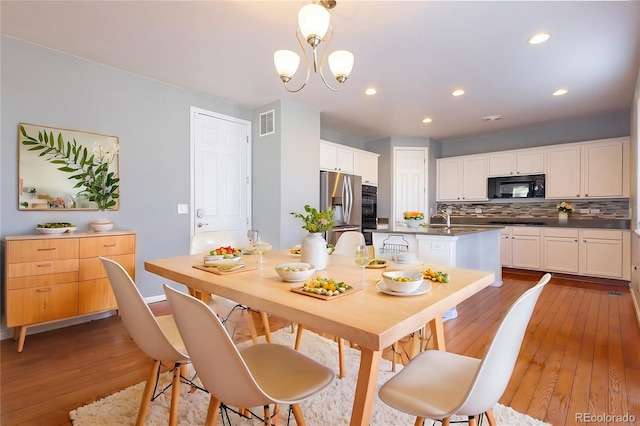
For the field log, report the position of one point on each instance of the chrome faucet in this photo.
(445, 216)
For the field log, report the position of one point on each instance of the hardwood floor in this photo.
(581, 356)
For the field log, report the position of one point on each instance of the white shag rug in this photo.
(331, 407)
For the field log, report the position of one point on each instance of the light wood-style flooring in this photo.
(581, 356)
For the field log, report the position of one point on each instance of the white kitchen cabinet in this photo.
(461, 178)
(605, 253)
(519, 162)
(336, 157)
(525, 247)
(597, 169)
(505, 247)
(560, 250)
(365, 164)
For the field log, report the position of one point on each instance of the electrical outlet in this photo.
(449, 211)
(595, 210)
(478, 210)
(436, 246)
(584, 210)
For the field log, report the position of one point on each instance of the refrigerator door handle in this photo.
(348, 200)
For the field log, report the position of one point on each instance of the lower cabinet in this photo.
(561, 250)
(525, 248)
(56, 277)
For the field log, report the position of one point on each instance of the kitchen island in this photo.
(461, 246)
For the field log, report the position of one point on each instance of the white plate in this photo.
(424, 287)
(212, 261)
(52, 230)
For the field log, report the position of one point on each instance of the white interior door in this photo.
(410, 184)
(220, 165)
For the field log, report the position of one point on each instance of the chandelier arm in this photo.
(306, 60)
(324, 54)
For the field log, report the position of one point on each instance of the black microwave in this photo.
(522, 186)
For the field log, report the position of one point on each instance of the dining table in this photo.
(372, 317)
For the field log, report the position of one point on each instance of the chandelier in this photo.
(313, 26)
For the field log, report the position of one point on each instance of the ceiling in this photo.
(414, 52)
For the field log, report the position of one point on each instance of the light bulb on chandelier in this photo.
(313, 26)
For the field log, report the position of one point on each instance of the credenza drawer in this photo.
(41, 304)
(91, 269)
(41, 280)
(43, 267)
(45, 249)
(107, 246)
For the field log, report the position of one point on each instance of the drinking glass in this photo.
(362, 259)
(254, 240)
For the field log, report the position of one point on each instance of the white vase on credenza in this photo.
(314, 251)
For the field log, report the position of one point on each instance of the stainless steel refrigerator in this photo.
(341, 193)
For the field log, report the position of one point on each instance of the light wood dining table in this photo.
(369, 318)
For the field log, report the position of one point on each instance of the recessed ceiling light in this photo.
(427, 120)
(539, 38)
(491, 117)
(457, 92)
(560, 92)
(370, 91)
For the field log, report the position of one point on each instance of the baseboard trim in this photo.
(582, 278)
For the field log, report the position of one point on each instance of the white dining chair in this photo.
(259, 375)
(347, 243)
(203, 243)
(438, 384)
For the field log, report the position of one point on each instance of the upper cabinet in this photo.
(461, 178)
(335, 157)
(365, 164)
(598, 169)
(341, 158)
(520, 162)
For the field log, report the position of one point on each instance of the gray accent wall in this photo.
(151, 119)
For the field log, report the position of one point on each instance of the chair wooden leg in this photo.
(296, 346)
(446, 421)
(491, 418)
(147, 393)
(473, 420)
(341, 371)
(248, 320)
(265, 324)
(267, 416)
(212, 412)
(297, 414)
(394, 356)
(175, 394)
(420, 421)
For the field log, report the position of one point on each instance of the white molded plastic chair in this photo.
(204, 242)
(439, 384)
(158, 337)
(347, 242)
(260, 375)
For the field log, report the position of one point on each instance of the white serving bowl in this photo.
(413, 223)
(220, 260)
(101, 226)
(295, 272)
(390, 279)
(52, 230)
(405, 257)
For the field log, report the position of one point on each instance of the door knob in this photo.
(200, 224)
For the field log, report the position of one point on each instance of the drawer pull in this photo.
(109, 245)
(46, 249)
(42, 290)
(43, 265)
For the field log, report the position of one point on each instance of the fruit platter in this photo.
(413, 219)
(324, 288)
(377, 263)
(223, 256)
(55, 227)
(435, 276)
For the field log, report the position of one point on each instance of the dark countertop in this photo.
(435, 229)
(572, 222)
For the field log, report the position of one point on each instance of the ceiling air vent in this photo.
(267, 123)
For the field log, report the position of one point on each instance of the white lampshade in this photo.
(341, 63)
(286, 62)
(313, 20)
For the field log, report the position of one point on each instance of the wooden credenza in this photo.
(56, 277)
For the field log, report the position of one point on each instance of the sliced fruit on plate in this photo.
(325, 286)
(377, 263)
(437, 276)
(226, 252)
(296, 249)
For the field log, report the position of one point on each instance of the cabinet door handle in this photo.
(43, 265)
(42, 290)
(46, 249)
(109, 245)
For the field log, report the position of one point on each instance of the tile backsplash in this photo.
(597, 209)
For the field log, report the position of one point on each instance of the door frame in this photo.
(193, 113)
(392, 218)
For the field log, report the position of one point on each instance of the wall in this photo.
(601, 127)
(286, 172)
(151, 119)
